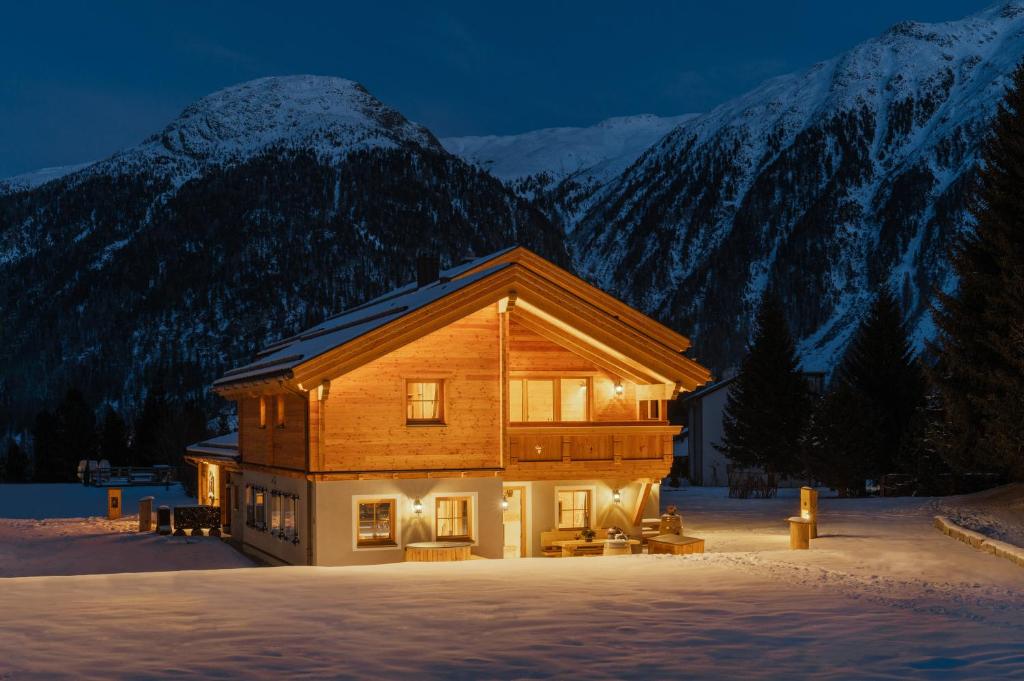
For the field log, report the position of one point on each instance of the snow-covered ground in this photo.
(881, 594)
(63, 530)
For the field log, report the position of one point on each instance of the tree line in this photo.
(955, 411)
(70, 432)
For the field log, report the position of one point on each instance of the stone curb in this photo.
(998, 548)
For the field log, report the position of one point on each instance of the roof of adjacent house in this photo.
(278, 360)
(223, 447)
(710, 388)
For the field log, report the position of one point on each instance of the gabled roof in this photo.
(713, 387)
(409, 312)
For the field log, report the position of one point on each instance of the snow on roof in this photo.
(278, 359)
(222, 446)
(708, 389)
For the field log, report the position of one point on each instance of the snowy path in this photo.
(882, 594)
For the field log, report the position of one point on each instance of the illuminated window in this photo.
(452, 518)
(650, 410)
(537, 400)
(280, 411)
(424, 401)
(260, 503)
(375, 523)
(263, 412)
(275, 512)
(573, 509)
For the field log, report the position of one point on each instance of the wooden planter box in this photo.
(676, 544)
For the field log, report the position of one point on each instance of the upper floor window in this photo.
(279, 416)
(536, 400)
(263, 412)
(424, 401)
(452, 518)
(650, 410)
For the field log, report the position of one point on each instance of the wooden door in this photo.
(514, 520)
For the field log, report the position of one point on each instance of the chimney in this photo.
(428, 270)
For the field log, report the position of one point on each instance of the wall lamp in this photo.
(417, 507)
(617, 496)
(618, 388)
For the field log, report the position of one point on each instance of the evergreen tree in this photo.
(46, 449)
(114, 438)
(868, 423)
(76, 432)
(15, 468)
(151, 428)
(769, 403)
(980, 346)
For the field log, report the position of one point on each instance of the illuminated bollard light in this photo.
(809, 508)
(113, 503)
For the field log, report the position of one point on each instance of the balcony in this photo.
(600, 443)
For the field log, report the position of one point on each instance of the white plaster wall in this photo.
(334, 524)
(267, 546)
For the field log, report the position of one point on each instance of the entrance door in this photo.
(514, 519)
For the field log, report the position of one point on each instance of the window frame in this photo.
(442, 411)
(644, 410)
(469, 501)
(393, 541)
(260, 508)
(262, 411)
(556, 381)
(591, 496)
(250, 505)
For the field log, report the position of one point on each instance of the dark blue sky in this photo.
(81, 80)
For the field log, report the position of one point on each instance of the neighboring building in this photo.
(486, 403)
(705, 413)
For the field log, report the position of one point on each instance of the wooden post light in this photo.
(809, 508)
(113, 503)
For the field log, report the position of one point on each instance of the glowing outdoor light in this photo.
(504, 503)
(618, 388)
(617, 496)
(417, 507)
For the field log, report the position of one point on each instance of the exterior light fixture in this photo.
(417, 507)
(504, 503)
(618, 388)
(617, 496)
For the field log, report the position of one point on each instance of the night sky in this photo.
(81, 80)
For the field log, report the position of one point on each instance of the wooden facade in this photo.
(512, 332)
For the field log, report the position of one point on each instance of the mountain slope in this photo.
(560, 168)
(244, 220)
(824, 184)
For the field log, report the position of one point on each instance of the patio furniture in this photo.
(437, 551)
(799, 532)
(574, 547)
(676, 544)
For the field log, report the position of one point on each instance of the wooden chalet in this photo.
(487, 404)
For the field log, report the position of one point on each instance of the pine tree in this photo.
(114, 438)
(867, 425)
(980, 346)
(76, 431)
(15, 468)
(769, 403)
(46, 448)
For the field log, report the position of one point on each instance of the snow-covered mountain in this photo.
(258, 211)
(823, 184)
(561, 168)
(601, 151)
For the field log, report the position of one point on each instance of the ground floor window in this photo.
(453, 517)
(275, 513)
(260, 495)
(250, 506)
(573, 509)
(290, 530)
(375, 522)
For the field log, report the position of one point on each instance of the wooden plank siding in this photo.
(364, 417)
(273, 446)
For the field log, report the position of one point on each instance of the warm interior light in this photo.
(417, 507)
(618, 388)
(617, 496)
(805, 514)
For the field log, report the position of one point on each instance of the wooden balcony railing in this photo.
(600, 442)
